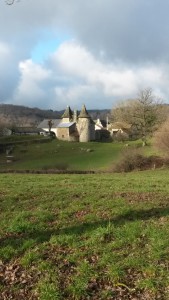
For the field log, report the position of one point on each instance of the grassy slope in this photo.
(84, 236)
(63, 154)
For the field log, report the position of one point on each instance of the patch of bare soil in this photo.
(16, 282)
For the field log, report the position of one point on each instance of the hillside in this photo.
(54, 154)
(26, 116)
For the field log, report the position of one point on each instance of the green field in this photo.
(97, 236)
(63, 155)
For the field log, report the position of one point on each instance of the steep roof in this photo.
(45, 124)
(84, 113)
(68, 113)
(65, 125)
(101, 123)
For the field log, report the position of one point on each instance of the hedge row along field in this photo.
(97, 236)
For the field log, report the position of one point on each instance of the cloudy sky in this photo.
(55, 53)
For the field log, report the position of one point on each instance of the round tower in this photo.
(84, 125)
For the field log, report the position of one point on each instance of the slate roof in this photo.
(44, 123)
(84, 113)
(101, 123)
(104, 123)
(65, 125)
(68, 113)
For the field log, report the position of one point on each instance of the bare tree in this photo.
(144, 114)
(50, 124)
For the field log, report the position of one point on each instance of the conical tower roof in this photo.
(84, 113)
(68, 113)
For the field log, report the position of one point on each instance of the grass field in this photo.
(63, 155)
(98, 236)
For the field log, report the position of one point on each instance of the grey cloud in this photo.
(127, 33)
(130, 30)
(134, 31)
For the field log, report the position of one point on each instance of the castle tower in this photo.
(84, 121)
(68, 115)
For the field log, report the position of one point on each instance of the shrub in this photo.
(120, 137)
(161, 138)
(134, 160)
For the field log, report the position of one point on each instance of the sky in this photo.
(55, 53)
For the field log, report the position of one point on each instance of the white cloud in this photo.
(30, 88)
(76, 95)
(73, 76)
(119, 47)
(115, 79)
(32, 71)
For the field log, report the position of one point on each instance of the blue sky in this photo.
(57, 53)
(47, 44)
(43, 48)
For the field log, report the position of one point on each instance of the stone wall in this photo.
(63, 134)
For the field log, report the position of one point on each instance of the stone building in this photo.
(44, 126)
(79, 127)
(66, 129)
(74, 127)
(85, 126)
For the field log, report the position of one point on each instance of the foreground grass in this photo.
(84, 236)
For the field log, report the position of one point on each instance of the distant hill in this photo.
(26, 116)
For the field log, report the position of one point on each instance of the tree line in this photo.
(22, 116)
